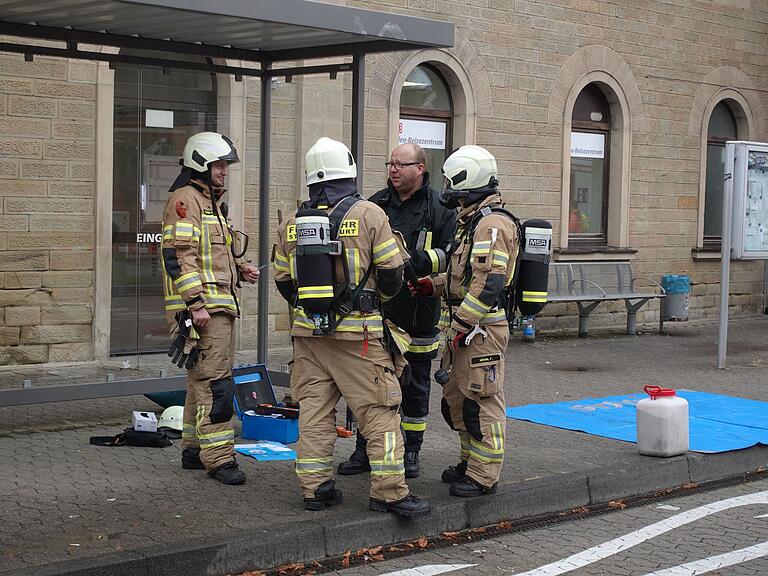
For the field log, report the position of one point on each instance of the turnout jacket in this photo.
(368, 241)
(423, 216)
(482, 265)
(200, 268)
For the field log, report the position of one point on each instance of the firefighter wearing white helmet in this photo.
(204, 266)
(482, 265)
(336, 260)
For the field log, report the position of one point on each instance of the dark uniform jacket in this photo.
(421, 212)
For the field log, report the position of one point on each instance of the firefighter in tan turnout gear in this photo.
(481, 269)
(336, 259)
(202, 259)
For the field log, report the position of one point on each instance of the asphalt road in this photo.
(721, 532)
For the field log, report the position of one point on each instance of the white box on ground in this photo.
(144, 421)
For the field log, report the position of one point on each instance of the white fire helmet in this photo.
(172, 417)
(206, 147)
(329, 160)
(470, 167)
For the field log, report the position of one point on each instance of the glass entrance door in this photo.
(155, 112)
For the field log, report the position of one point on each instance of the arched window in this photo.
(155, 111)
(426, 115)
(588, 203)
(722, 127)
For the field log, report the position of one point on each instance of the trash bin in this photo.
(678, 289)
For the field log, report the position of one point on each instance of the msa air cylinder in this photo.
(315, 253)
(534, 266)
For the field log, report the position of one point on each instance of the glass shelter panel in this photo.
(155, 112)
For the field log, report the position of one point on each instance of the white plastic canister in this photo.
(662, 423)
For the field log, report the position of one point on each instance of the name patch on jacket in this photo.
(349, 228)
(487, 359)
(290, 233)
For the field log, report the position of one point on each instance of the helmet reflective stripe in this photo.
(329, 160)
(206, 147)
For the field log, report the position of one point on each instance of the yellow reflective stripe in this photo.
(493, 317)
(292, 266)
(428, 240)
(168, 232)
(187, 281)
(220, 301)
(183, 229)
(300, 319)
(423, 348)
(353, 264)
(473, 306)
(205, 256)
(499, 257)
(281, 263)
(531, 296)
(379, 468)
(435, 261)
(389, 466)
(385, 251)
(313, 465)
(481, 248)
(414, 427)
(315, 292)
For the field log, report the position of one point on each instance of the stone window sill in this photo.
(706, 254)
(594, 254)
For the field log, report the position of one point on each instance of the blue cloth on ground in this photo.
(264, 451)
(717, 423)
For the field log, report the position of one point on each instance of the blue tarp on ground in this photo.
(717, 423)
(264, 451)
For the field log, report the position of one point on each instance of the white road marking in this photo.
(668, 507)
(716, 562)
(762, 516)
(607, 549)
(429, 570)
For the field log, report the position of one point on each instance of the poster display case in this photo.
(749, 234)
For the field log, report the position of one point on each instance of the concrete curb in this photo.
(307, 540)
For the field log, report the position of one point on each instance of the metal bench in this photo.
(590, 283)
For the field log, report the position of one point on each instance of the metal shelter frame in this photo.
(253, 31)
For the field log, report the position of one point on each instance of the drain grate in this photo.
(366, 556)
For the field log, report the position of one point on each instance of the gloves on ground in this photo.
(183, 351)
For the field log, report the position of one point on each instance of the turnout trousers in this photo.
(324, 369)
(473, 401)
(415, 407)
(208, 409)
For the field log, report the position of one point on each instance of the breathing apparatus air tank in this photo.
(315, 266)
(536, 244)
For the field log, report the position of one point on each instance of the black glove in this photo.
(183, 350)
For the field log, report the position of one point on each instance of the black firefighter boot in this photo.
(454, 473)
(326, 495)
(228, 473)
(358, 462)
(467, 487)
(411, 463)
(190, 459)
(411, 506)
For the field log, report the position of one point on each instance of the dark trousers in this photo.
(415, 406)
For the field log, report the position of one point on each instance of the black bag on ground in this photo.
(131, 437)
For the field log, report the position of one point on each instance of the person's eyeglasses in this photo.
(399, 165)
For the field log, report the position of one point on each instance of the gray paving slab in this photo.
(70, 508)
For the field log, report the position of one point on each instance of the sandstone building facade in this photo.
(607, 117)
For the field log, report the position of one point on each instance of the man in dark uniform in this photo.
(428, 228)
